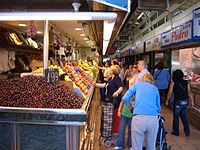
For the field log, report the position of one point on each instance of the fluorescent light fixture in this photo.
(105, 45)
(85, 39)
(22, 25)
(78, 29)
(57, 16)
(175, 63)
(142, 13)
(82, 34)
(39, 32)
(107, 30)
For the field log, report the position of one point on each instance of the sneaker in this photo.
(187, 134)
(174, 133)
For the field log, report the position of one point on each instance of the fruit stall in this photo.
(36, 114)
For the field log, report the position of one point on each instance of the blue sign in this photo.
(120, 4)
(196, 23)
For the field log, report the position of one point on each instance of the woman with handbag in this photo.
(111, 103)
(162, 78)
(181, 90)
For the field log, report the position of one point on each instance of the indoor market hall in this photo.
(99, 75)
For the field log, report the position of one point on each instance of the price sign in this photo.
(51, 75)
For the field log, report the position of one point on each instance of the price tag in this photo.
(51, 75)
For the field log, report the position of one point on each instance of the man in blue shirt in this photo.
(145, 114)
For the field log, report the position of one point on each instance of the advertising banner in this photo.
(153, 44)
(120, 4)
(185, 58)
(177, 35)
(196, 23)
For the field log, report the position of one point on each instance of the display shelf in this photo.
(45, 115)
(22, 48)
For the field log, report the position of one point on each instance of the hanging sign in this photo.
(177, 35)
(149, 45)
(153, 44)
(125, 53)
(166, 38)
(182, 33)
(196, 23)
(51, 75)
(120, 4)
(139, 47)
(185, 58)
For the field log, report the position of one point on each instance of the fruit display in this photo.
(78, 77)
(35, 92)
(15, 38)
(40, 70)
(90, 67)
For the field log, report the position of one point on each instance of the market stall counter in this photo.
(194, 109)
(43, 128)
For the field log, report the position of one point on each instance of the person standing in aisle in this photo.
(162, 78)
(127, 75)
(181, 90)
(126, 116)
(142, 68)
(112, 99)
(121, 74)
(145, 114)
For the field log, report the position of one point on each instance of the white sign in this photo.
(166, 38)
(156, 42)
(178, 34)
(149, 45)
(159, 55)
(139, 47)
(182, 33)
(185, 58)
(196, 22)
(153, 44)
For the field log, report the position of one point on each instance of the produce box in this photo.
(68, 84)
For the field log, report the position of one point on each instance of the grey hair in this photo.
(144, 63)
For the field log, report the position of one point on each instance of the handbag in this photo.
(117, 100)
(108, 98)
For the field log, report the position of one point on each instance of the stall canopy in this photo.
(120, 4)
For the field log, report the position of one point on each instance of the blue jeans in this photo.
(180, 109)
(124, 121)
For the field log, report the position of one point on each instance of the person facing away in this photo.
(145, 114)
(181, 90)
(162, 78)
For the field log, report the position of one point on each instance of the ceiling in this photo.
(64, 27)
(61, 28)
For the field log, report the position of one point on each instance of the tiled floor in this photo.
(177, 143)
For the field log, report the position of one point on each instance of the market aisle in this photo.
(177, 143)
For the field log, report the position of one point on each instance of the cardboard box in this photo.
(68, 84)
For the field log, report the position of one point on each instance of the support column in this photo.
(46, 44)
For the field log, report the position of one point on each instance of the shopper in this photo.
(125, 114)
(145, 113)
(112, 100)
(181, 90)
(121, 74)
(162, 78)
(142, 68)
(127, 75)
